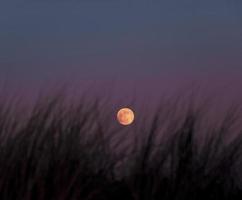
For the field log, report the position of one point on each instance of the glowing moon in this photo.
(125, 116)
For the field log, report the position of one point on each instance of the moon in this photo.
(125, 116)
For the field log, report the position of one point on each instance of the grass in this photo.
(67, 151)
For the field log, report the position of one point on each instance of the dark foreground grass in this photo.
(62, 151)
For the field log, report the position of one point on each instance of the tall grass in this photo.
(63, 151)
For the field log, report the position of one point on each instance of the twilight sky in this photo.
(66, 40)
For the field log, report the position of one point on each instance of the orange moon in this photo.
(125, 116)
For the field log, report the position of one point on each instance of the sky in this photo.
(45, 41)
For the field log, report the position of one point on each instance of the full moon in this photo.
(125, 116)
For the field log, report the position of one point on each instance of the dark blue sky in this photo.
(42, 40)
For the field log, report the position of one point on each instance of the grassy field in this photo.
(69, 151)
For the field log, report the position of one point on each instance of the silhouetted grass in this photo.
(63, 151)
